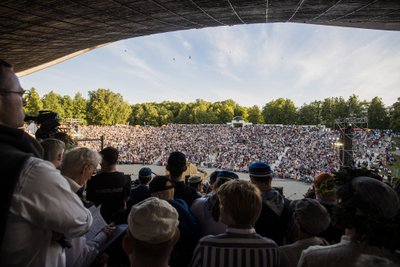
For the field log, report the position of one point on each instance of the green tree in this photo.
(34, 103)
(255, 115)
(53, 102)
(310, 114)
(150, 114)
(280, 111)
(377, 114)
(333, 108)
(137, 115)
(68, 105)
(107, 108)
(242, 112)
(165, 116)
(224, 111)
(185, 114)
(395, 116)
(355, 107)
(201, 112)
(79, 107)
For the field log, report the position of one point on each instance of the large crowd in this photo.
(295, 151)
(70, 207)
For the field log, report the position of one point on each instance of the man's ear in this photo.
(127, 245)
(184, 168)
(167, 168)
(176, 236)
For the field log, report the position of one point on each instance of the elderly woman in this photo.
(77, 167)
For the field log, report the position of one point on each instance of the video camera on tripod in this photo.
(48, 121)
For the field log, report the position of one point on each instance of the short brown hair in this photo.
(242, 201)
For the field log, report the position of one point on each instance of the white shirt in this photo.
(42, 203)
(83, 252)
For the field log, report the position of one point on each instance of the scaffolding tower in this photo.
(346, 127)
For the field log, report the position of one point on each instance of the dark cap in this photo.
(160, 183)
(145, 172)
(194, 179)
(312, 217)
(227, 174)
(260, 169)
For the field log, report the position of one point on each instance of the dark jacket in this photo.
(275, 217)
(185, 192)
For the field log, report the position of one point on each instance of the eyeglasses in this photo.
(24, 93)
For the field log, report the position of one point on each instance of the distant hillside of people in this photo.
(295, 152)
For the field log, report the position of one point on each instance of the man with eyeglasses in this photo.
(36, 203)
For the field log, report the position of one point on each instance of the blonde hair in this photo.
(242, 202)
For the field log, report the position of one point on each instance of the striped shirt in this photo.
(234, 248)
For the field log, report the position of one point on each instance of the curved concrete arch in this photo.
(37, 34)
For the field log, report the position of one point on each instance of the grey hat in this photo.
(380, 199)
(312, 217)
(194, 179)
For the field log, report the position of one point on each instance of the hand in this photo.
(109, 229)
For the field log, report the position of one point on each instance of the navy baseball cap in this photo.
(227, 174)
(260, 169)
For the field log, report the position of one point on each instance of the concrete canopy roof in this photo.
(37, 32)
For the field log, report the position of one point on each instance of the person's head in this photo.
(176, 164)
(260, 174)
(68, 141)
(240, 203)
(196, 182)
(368, 208)
(324, 186)
(152, 232)
(223, 177)
(109, 157)
(12, 98)
(79, 164)
(53, 150)
(161, 186)
(311, 217)
(213, 177)
(145, 175)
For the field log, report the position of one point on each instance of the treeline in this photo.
(104, 107)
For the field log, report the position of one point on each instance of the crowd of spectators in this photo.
(295, 151)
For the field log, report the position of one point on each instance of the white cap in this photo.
(153, 220)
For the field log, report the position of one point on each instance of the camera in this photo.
(48, 121)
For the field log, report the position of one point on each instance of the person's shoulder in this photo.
(208, 239)
(40, 172)
(40, 166)
(199, 201)
(268, 241)
(313, 251)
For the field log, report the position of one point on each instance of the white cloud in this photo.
(252, 64)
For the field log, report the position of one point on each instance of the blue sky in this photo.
(251, 64)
